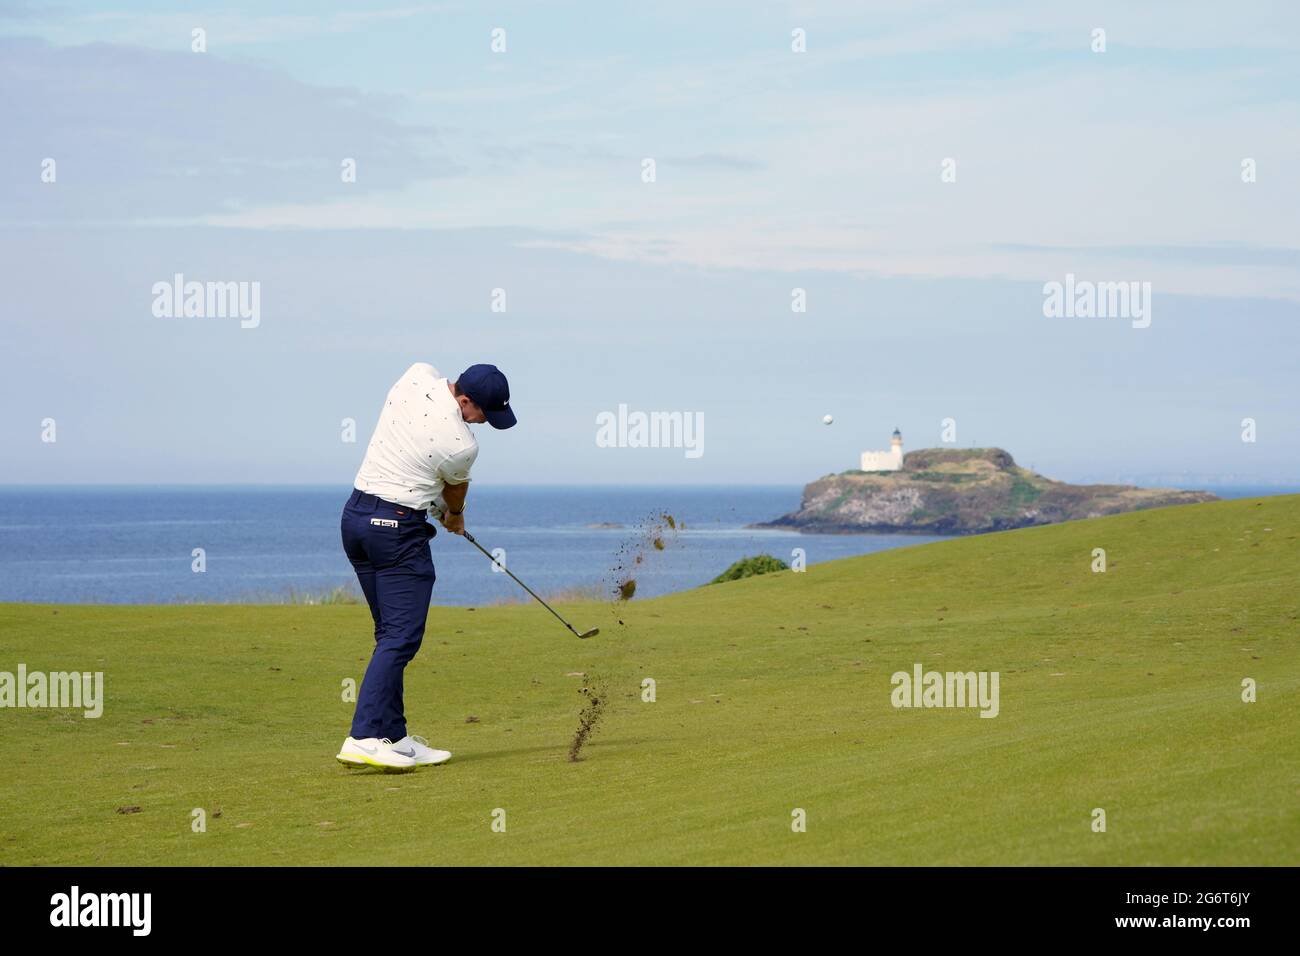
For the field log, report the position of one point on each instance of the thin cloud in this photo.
(183, 134)
(714, 161)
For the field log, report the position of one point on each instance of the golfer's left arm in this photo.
(453, 496)
(454, 472)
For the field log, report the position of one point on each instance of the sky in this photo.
(920, 170)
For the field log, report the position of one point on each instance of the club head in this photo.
(586, 634)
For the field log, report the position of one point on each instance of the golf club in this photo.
(583, 635)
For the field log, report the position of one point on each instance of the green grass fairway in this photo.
(1120, 690)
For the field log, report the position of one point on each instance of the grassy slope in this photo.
(1119, 690)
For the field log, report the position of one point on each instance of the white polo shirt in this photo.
(420, 443)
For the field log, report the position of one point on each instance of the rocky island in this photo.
(961, 491)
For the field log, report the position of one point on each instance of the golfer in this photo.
(418, 459)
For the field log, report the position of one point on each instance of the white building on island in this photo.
(891, 460)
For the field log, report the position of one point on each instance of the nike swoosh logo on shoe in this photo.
(368, 750)
(405, 753)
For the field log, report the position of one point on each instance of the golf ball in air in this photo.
(827, 419)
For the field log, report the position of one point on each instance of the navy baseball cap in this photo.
(487, 388)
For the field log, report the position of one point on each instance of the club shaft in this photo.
(470, 538)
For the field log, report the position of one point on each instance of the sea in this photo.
(259, 544)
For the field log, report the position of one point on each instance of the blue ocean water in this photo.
(133, 545)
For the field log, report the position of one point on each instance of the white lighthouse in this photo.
(891, 460)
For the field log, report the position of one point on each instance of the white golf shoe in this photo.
(375, 752)
(418, 749)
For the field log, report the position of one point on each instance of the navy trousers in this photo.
(388, 546)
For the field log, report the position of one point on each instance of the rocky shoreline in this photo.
(955, 492)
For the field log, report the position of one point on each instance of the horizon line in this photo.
(1210, 482)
